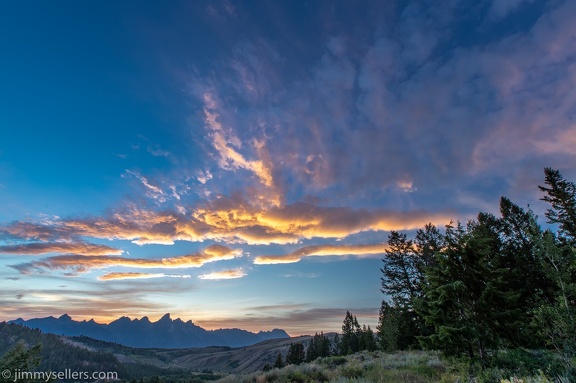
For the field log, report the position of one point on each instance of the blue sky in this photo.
(241, 164)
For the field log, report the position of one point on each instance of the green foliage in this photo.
(388, 327)
(319, 346)
(350, 342)
(468, 300)
(403, 281)
(561, 194)
(400, 278)
(557, 317)
(296, 354)
(367, 339)
(19, 358)
(355, 338)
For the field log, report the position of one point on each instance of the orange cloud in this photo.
(226, 274)
(228, 220)
(83, 263)
(116, 276)
(60, 247)
(321, 251)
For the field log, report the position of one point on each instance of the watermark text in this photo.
(47, 376)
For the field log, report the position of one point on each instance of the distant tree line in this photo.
(496, 282)
(354, 338)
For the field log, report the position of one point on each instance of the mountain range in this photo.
(142, 333)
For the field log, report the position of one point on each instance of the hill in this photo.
(59, 354)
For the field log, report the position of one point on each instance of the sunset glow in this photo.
(241, 164)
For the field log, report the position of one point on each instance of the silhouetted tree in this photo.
(350, 341)
(318, 346)
(279, 363)
(296, 354)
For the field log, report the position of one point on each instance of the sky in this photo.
(241, 163)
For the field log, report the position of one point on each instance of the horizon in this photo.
(151, 320)
(243, 163)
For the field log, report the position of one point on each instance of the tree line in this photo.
(496, 282)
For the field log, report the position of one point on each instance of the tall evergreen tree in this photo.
(388, 327)
(400, 279)
(350, 342)
(318, 346)
(296, 354)
(403, 276)
(279, 362)
(367, 339)
(561, 194)
(558, 254)
(467, 295)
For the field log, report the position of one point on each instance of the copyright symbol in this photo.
(6, 374)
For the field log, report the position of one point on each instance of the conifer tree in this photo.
(351, 330)
(318, 346)
(367, 340)
(296, 354)
(279, 363)
(468, 300)
(19, 358)
(558, 255)
(388, 327)
(561, 194)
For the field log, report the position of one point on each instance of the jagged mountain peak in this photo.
(164, 333)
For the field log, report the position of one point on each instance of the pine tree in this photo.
(403, 276)
(296, 354)
(19, 358)
(318, 346)
(561, 194)
(367, 341)
(468, 298)
(351, 330)
(399, 271)
(279, 363)
(312, 349)
(388, 327)
(558, 256)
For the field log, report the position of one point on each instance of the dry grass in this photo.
(377, 367)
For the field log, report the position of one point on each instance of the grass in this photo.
(379, 367)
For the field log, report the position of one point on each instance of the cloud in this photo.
(321, 251)
(501, 8)
(226, 274)
(118, 275)
(228, 220)
(82, 263)
(405, 115)
(59, 247)
(227, 144)
(152, 191)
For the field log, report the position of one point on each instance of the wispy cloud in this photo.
(119, 275)
(321, 251)
(75, 264)
(80, 248)
(225, 274)
(152, 191)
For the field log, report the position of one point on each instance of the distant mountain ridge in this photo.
(142, 333)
